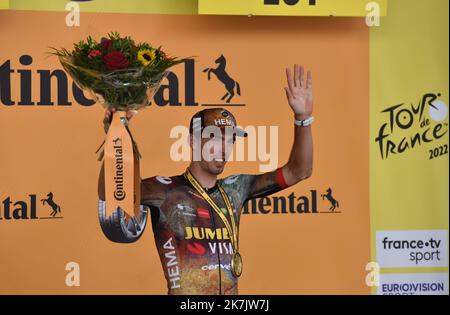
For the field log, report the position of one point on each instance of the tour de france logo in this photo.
(409, 126)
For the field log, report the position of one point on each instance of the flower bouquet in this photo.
(117, 72)
(121, 75)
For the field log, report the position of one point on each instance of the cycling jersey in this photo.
(193, 242)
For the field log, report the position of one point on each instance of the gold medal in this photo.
(236, 264)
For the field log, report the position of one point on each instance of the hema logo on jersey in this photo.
(412, 248)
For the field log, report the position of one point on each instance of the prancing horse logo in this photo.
(49, 200)
(334, 202)
(223, 77)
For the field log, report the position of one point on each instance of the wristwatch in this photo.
(305, 122)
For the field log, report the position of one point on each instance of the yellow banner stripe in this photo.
(216, 7)
(408, 191)
(302, 8)
(111, 6)
(4, 4)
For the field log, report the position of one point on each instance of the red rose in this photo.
(115, 60)
(106, 43)
(94, 53)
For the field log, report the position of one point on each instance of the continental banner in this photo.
(372, 217)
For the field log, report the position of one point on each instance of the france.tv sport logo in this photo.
(412, 248)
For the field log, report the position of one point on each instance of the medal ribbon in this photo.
(231, 230)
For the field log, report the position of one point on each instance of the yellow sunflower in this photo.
(146, 56)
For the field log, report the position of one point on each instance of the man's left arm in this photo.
(300, 98)
(299, 166)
